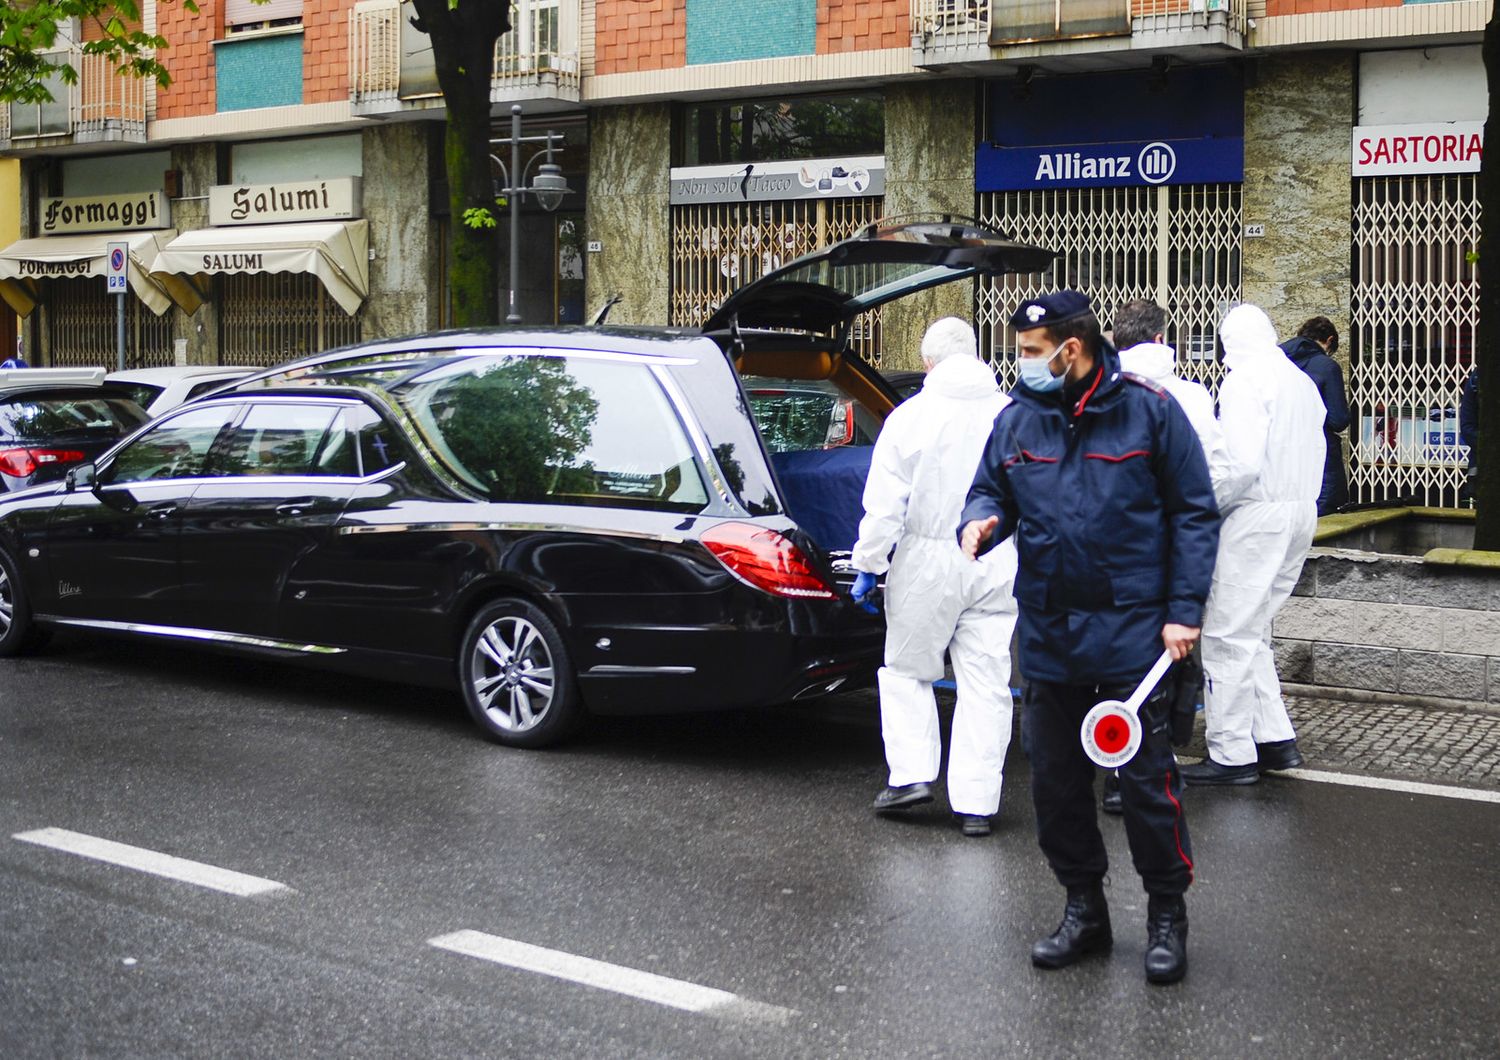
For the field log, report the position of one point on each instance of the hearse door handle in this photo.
(162, 511)
(297, 506)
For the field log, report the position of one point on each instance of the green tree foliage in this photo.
(29, 35)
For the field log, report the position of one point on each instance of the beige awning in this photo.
(336, 252)
(26, 262)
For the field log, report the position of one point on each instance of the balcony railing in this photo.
(103, 105)
(970, 26)
(391, 62)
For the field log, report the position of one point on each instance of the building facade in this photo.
(1317, 157)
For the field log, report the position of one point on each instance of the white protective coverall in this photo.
(1157, 362)
(1272, 418)
(936, 598)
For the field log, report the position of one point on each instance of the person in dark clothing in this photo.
(1317, 339)
(1468, 425)
(1101, 479)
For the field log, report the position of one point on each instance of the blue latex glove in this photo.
(864, 585)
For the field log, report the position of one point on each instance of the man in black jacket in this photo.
(1317, 339)
(1101, 479)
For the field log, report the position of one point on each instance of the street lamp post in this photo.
(549, 186)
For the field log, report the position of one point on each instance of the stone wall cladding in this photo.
(627, 211)
(1392, 624)
(632, 35)
(862, 25)
(190, 59)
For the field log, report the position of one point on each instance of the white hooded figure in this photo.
(1272, 418)
(937, 599)
(1138, 333)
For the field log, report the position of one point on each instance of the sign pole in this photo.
(118, 255)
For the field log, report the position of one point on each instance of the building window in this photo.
(781, 129)
(241, 16)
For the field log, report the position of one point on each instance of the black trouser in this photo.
(1062, 787)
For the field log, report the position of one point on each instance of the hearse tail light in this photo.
(18, 463)
(766, 560)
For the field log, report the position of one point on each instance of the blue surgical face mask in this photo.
(1036, 372)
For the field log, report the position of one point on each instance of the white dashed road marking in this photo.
(1412, 787)
(646, 986)
(143, 860)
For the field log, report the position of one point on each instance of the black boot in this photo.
(1084, 930)
(1166, 938)
(1112, 802)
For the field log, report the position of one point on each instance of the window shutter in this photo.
(243, 12)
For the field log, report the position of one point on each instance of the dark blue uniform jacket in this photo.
(1115, 523)
(1325, 371)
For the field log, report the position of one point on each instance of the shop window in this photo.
(81, 327)
(268, 318)
(717, 248)
(1414, 319)
(780, 129)
(1177, 245)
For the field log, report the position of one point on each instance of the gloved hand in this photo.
(864, 585)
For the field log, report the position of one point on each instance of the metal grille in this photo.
(1414, 318)
(268, 318)
(1179, 246)
(719, 247)
(81, 319)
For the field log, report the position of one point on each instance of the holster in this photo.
(1188, 673)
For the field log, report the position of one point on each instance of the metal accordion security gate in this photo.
(1414, 317)
(271, 317)
(719, 247)
(1178, 245)
(82, 324)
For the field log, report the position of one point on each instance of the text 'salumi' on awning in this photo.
(27, 262)
(336, 252)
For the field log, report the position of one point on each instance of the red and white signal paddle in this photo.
(1111, 730)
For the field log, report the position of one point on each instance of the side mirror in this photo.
(81, 476)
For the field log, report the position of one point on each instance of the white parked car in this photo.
(159, 389)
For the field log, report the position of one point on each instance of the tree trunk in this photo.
(1487, 348)
(463, 48)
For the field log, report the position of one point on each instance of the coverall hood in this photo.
(962, 378)
(1153, 360)
(1248, 334)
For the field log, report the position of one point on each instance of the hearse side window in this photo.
(378, 444)
(177, 447)
(276, 439)
(557, 430)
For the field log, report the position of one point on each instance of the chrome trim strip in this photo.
(613, 669)
(569, 351)
(209, 480)
(695, 432)
(188, 633)
(564, 528)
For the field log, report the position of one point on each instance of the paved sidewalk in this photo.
(1430, 744)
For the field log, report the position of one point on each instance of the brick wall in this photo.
(634, 35)
(863, 25)
(325, 56)
(190, 59)
(1308, 7)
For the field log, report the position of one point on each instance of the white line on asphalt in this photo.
(1411, 787)
(144, 860)
(646, 986)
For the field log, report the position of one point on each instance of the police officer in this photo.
(1100, 477)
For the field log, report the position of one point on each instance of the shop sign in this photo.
(1423, 147)
(1124, 164)
(813, 178)
(105, 213)
(334, 199)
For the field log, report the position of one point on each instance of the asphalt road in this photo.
(731, 852)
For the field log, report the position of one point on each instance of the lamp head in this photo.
(549, 186)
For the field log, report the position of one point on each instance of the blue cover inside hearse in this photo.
(824, 490)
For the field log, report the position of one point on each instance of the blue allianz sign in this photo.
(1122, 164)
